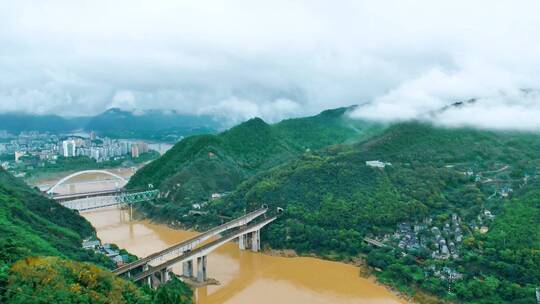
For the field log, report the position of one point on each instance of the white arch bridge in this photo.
(65, 179)
(99, 199)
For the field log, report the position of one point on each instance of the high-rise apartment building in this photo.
(68, 147)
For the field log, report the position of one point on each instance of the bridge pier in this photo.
(166, 275)
(160, 277)
(256, 241)
(242, 242)
(201, 269)
(149, 278)
(187, 269)
(154, 280)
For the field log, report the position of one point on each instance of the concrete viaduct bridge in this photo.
(99, 199)
(156, 268)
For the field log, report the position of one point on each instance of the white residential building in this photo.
(377, 164)
(68, 148)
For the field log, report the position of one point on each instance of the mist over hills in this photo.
(20, 122)
(151, 124)
(115, 122)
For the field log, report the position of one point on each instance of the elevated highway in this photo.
(200, 254)
(190, 244)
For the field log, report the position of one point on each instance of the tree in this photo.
(174, 292)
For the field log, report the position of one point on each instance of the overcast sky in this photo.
(275, 59)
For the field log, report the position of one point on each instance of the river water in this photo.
(244, 276)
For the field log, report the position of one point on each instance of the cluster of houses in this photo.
(444, 273)
(443, 241)
(106, 249)
(407, 236)
(447, 239)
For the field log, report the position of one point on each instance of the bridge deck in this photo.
(192, 242)
(203, 250)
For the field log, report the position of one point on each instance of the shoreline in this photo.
(365, 271)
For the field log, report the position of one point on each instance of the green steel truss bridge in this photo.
(109, 199)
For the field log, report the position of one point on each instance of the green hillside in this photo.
(41, 259)
(44, 280)
(201, 165)
(332, 199)
(456, 209)
(32, 225)
(426, 177)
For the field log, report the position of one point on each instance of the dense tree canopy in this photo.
(198, 166)
(332, 200)
(32, 225)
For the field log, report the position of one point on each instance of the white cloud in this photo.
(405, 57)
(123, 99)
(236, 110)
(515, 111)
(502, 100)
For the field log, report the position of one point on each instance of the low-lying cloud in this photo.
(238, 59)
(234, 110)
(482, 98)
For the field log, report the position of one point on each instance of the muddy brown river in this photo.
(244, 277)
(247, 277)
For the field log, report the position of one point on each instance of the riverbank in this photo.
(364, 271)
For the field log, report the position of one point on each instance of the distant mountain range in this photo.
(148, 124)
(19, 122)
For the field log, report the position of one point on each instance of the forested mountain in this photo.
(201, 165)
(19, 122)
(472, 191)
(433, 177)
(41, 259)
(32, 225)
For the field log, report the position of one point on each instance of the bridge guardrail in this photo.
(199, 238)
